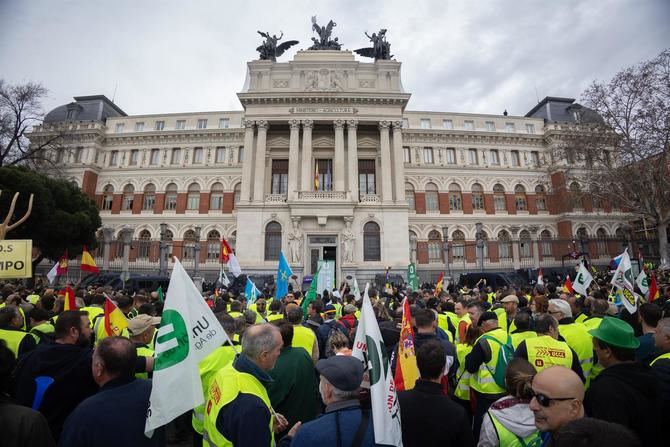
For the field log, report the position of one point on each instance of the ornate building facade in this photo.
(325, 162)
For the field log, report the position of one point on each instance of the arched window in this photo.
(149, 197)
(545, 237)
(455, 199)
(458, 245)
(144, 244)
(128, 195)
(193, 197)
(189, 245)
(432, 201)
(409, 196)
(435, 246)
(213, 245)
(520, 197)
(485, 238)
(525, 247)
(236, 194)
(372, 250)
(601, 242)
(216, 197)
(412, 246)
(272, 241)
(504, 245)
(477, 197)
(499, 197)
(576, 194)
(107, 197)
(582, 233)
(171, 197)
(540, 198)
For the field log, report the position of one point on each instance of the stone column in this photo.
(293, 159)
(398, 163)
(107, 236)
(516, 258)
(127, 238)
(259, 168)
(196, 265)
(338, 162)
(387, 190)
(307, 183)
(352, 161)
(536, 246)
(163, 251)
(247, 167)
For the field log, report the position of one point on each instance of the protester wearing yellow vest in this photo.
(141, 330)
(40, 326)
(574, 334)
(302, 337)
(462, 321)
(481, 363)
(546, 350)
(522, 331)
(511, 306)
(462, 391)
(18, 341)
(239, 393)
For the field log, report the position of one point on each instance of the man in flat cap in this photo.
(343, 423)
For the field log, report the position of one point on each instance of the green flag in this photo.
(159, 291)
(412, 279)
(311, 294)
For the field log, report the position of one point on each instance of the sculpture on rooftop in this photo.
(324, 42)
(380, 49)
(269, 50)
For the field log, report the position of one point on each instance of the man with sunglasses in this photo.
(558, 395)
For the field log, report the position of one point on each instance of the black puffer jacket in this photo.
(627, 394)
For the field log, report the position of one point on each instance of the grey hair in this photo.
(258, 339)
(562, 306)
(664, 325)
(339, 394)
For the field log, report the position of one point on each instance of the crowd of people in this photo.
(534, 366)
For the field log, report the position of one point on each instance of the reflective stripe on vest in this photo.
(544, 351)
(508, 439)
(482, 381)
(502, 319)
(44, 328)
(463, 386)
(518, 337)
(303, 338)
(273, 317)
(224, 388)
(208, 367)
(578, 338)
(661, 357)
(13, 339)
(93, 311)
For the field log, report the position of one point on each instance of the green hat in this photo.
(617, 333)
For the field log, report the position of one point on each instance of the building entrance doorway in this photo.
(321, 248)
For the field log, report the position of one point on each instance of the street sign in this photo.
(16, 259)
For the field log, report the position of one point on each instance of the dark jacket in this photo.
(627, 394)
(420, 339)
(429, 418)
(322, 334)
(323, 432)
(246, 420)
(662, 370)
(294, 390)
(20, 426)
(115, 416)
(70, 367)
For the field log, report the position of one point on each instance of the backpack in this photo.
(345, 328)
(505, 355)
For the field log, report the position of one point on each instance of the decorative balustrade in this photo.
(275, 198)
(370, 198)
(322, 195)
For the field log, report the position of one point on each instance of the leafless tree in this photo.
(20, 110)
(619, 149)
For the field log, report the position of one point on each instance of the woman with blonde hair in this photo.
(337, 344)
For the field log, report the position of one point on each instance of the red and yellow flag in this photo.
(226, 251)
(567, 286)
(316, 177)
(653, 289)
(114, 320)
(406, 369)
(439, 285)
(87, 262)
(68, 295)
(62, 265)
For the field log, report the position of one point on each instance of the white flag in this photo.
(540, 278)
(234, 265)
(582, 280)
(643, 283)
(189, 332)
(623, 275)
(53, 273)
(223, 278)
(356, 292)
(369, 348)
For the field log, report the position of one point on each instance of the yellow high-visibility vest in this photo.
(545, 351)
(303, 338)
(518, 337)
(579, 339)
(482, 381)
(462, 375)
(208, 367)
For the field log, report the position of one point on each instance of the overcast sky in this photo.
(458, 56)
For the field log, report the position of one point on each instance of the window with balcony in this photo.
(504, 245)
(107, 197)
(189, 245)
(149, 197)
(525, 245)
(499, 203)
(520, 198)
(455, 198)
(546, 244)
(128, 196)
(144, 245)
(323, 175)
(366, 177)
(477, 197)
(171, 197)
(279, 176)
(540, 198)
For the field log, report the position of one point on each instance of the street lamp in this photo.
(162, 255)
(480, 245)
(445, 238)
(196, 268)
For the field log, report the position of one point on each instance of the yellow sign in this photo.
(16, 259)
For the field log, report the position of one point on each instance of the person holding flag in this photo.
(583, 280)
(406, 370)
(284, 273)
(228, 257)
(622, 280)
(251, 292)
(87, 262)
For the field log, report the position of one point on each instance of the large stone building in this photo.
(325, 162)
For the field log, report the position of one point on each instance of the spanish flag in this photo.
(653, 289)
(87, 262)
(62, 265)
(567, 286)
(316, 177)
(226, 251)
(114, 321)
(438, 286)
(68, 295)
(406, 369)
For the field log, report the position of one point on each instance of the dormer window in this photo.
(73, 110)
